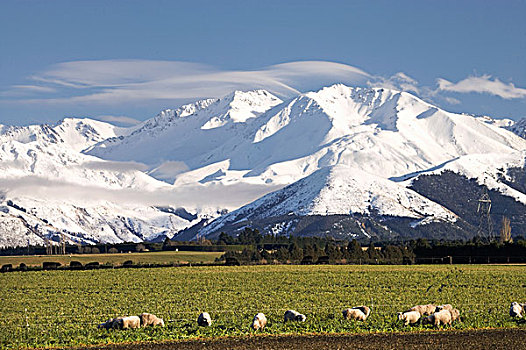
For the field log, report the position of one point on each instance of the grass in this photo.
(64, 307)
(163, 257)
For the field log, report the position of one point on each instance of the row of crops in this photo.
(63, 308)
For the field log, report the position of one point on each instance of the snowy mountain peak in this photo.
(360, 95)
(258, 97)
(185, 110)
(240, 106)
(26, 134)
(167, 117)
(77, 133)
(82, 133)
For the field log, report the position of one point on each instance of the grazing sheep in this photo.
(292, 315)
(204, 319)
(259, 321)
(150, 320)
(517, 309)
(438, 318)
(128, 322)
(423, 310)
(444, 307)
(409, 317)
(121, 322)
(358, 313)
(108, 324)
(363, 309)
(455, 315)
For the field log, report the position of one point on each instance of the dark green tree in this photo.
(225, 239)
(373, 253)
(355, 251)
(296, 253)
(282, 254)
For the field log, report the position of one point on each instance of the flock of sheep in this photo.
(435, 315)
(127, 322)
(428, 314)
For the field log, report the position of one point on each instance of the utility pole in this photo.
(484, 211)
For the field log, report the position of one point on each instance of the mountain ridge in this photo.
(222, 154)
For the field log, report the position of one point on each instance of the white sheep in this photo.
(358, 313)
(293, 315)
(438, 318)
(409, 317)
(444, 307)
(455, 315)
(424, 309)
(150, 320)
(259, 321)
(122, 322)
(517, 309)
(129, 322)
(204, 319)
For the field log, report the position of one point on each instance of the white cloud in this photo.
(83, 84)
(122, 81)
(483, 84)
(26, 90)
(118, 119)
(216, 195)
(452, 100)
(35, 88)
(399, 81)
(168, 170)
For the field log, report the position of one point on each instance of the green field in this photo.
(64, 307)
(163, 257)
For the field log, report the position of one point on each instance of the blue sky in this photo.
(127, 60)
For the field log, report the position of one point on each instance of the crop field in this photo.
(63, 308)
(163, 257)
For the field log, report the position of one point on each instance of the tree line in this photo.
(252, 247)
(261, 249)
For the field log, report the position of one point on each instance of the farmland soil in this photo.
(513, 339)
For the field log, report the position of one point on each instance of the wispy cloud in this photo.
(26, 90)
(117, 119)
(35, 88)
(484, 84)
(438, 94)
(118, 84)
(121, 81)
(452, 100)
(168, 170)
(399, 81)
(191, 196)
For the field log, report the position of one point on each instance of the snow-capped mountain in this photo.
(75, 133)
(384, 132)
(341, 201)
(47, 188)
(332, 191)
(188, 134)
(342, 156)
